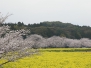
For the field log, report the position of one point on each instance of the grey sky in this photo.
(34, 11)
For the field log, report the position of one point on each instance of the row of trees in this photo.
(58, 42)
(13, 41)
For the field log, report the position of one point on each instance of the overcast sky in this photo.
(77, 12)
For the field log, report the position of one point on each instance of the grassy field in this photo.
(54, 58)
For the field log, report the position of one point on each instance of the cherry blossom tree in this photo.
(12, 44)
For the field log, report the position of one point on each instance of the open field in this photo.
(54, 58)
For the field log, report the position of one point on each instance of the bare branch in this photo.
(3, 18)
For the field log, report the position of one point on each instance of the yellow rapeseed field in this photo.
(47, 58)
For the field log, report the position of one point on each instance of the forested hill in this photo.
(55, 28)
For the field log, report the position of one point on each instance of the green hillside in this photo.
(55, 28)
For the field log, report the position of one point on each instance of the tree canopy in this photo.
(54, 28)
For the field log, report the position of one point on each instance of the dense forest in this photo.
(54, 28)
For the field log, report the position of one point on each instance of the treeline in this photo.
(54, 28)
(58, 42)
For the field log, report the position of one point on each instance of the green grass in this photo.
(66, 50)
